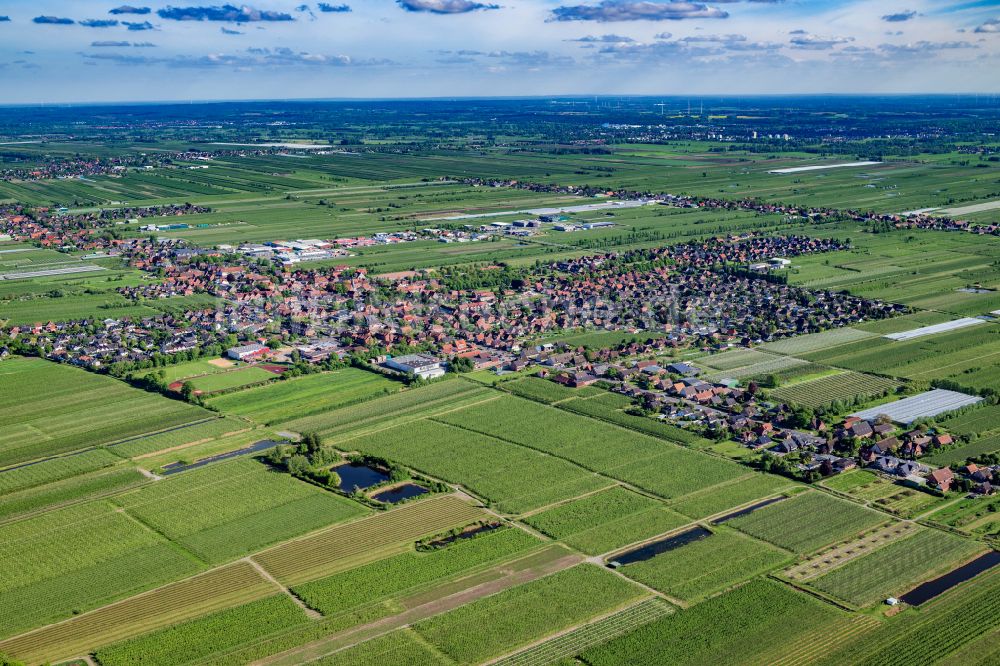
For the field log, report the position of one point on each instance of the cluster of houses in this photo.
(675, 394)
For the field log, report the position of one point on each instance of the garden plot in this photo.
(924, 405)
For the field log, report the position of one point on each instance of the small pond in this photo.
(359, 475)
(651, 550)
(933, 588)
(399, 493)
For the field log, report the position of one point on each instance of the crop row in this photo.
(942, 627)
(661, 468)
(513, 477)
(697, 569)
(100, 482)
(196, 639)
(176, 602)
(889, 571)
(54, 470)
(824, 390)
(405, 403)
(396, 574)
(589, 635)
(525, 613)
(355, 543)
(807, 522)
(726, 629)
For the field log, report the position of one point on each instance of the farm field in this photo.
(214, 590)
(513, 477)
(181, 436)
(196, 639)
(801, 344)
(356, 543)
(245, 506)
(839, 554)
(845, 386)
(716, 500)
(77, 488)
(48, 409)
(609, 406)
(893, 569)
(606, 520)
(78, 558)
(395, 575)
(574, 642)
(526, 613)
(398, 648)
(54, 469)
(984, 418)
(410, 404)
(303, 396)
(692, 571)
(542, 390)
(724, 629)
(807, 522)
(656, 466)
(941, 630)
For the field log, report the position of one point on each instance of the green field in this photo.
(396, 575)
(893, 569)
(728, 629)
(399, 648)
(513, 477)
(526, 613)
(84, 486)
(807, 522)
(695, 570)
(606, 520)
(77, 558)
(47, 409)
(303, 396)
(654, 465)
(243, 506)
(845, 386)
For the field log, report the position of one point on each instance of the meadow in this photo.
(47, 409)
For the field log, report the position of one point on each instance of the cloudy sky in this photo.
(94, 50)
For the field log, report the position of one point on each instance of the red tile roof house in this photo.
(942, 478)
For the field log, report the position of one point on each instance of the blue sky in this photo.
(94, 50)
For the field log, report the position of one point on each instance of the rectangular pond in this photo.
(933, 588)
(651, 550)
